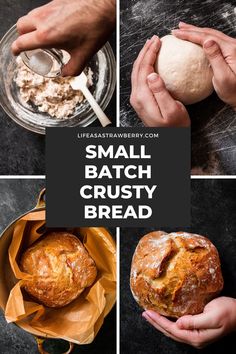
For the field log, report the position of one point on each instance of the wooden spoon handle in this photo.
(104, 120)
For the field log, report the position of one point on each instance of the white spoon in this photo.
(80, 83)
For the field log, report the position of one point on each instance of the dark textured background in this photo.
(213, 123)
(22, 151)
(213, 215)
(18, 196)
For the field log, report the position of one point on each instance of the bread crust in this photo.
(60, 267)
(175, 274)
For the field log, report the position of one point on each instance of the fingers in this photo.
(25, 24)
(159, 328)
(196, 338)
(146, 66)
(219, 66)
(205, 320)
(135, 71)
(197, 37)
(27, 41)
(220, 51)
(146, 107)
(141, 98)
(144, 51)
(166, 326)
(172, 111)
(165, 101)
(210, 31)
(76, 64)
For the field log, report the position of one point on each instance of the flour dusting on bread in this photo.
(176, 273)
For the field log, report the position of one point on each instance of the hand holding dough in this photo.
(149, 96)
(220, 50)
(185, 70)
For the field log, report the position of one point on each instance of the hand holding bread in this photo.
(217, 320)
(178, 275)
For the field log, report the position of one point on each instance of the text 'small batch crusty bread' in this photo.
(60, 269)
(175, 274)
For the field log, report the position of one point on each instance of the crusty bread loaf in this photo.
(61, 269)
(175, 274)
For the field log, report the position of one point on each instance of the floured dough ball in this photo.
(185, 70)
(60, 267)
(175, 274)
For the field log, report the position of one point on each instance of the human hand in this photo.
(81, 27)
(217, 320)
(149, 96)
(221, 52)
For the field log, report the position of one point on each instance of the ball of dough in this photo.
(185, 70)
(175, 274)
(60, 267)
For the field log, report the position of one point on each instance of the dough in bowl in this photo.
(185, 70)
(60, 269)
(175, 274)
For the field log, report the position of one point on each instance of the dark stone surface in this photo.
(22, 152)
(213, 210)
(18, 196)
(213, 123)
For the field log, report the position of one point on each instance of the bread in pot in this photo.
(61, 269)
(175, 274)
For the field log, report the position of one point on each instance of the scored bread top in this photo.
(175, 274)
(61, 269)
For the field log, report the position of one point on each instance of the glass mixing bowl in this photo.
(27, 115)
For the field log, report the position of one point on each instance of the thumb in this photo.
(75, 65)
(158, 88)
(219, 66)
(205, 320)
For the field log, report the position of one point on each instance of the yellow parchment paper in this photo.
(79, 321)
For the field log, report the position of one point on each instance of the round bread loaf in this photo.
(175, 274)
(61, 269)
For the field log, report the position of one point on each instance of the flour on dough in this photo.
(185, 70)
